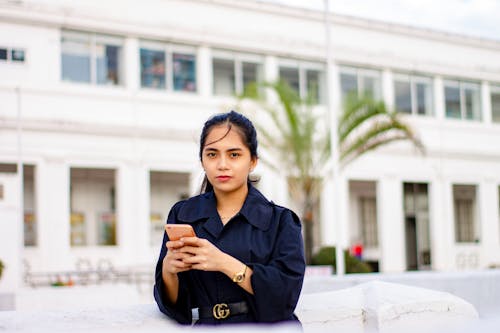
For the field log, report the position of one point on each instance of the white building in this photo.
(102, 103)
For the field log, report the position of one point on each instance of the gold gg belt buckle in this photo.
(221, 311)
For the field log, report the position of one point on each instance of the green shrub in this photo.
(1, 268)
(326, 256)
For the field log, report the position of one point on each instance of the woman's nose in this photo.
(222, 164)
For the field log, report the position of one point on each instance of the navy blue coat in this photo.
(264, 236)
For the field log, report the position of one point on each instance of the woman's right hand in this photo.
(173, 261)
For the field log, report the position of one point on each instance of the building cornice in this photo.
(95, 129)
(63, 17)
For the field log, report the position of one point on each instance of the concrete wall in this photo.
(134, 130)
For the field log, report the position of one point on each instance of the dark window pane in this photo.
(223, 71)
(472, 107)
(348, 84)
(424, 100)
(402, 91)
(313, 79)
(370, 88)
(250, 73)
(75, 59)
(152, 69)
(17, 55)
(184, 72)
(290, 76)
(495, 107)
(107, 63)
(452, 100)
(3, 54)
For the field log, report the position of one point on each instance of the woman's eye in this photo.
(211, 155)
(234, 155)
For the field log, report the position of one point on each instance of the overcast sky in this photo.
(469, 17)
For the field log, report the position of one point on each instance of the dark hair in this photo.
(241, 124)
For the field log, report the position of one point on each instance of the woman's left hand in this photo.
(205, 255)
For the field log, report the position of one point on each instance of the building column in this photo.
(489, 220)
(131, 67)
(132, 225)
(327, 225)
(388, 89)
(440, 226)
(53, 213)
(11, 238)
(391, 228)
(485, 102)
(204, 71)
(439, 101)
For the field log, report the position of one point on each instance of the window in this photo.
(413, 94)
(464, 202)
(3, 53)
(417, 226)
(495, 104)
(91, 58)
(462, 100)
(308, 80)
(165, 66)
(361, 82)
(153, 68)
(92, 205)
(29, 200)
(224, 77)
(368, 219)
(17, 55)
(12, 54)
(184, 72)
(233, 72)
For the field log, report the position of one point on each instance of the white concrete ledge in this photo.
(384, 307)
(370, 307)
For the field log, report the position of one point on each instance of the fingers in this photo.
(192, 241)
(171, 245)
(174, 262)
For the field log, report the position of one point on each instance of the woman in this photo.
(246, 263)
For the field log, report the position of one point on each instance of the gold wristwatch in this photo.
(240, 276)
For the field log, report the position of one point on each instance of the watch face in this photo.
(239, 277)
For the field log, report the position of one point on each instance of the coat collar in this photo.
(256, 210)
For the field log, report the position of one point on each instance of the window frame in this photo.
(302, 68)
(9, 50)
(361, 72)
(414, 80)
(94, 39)
(475, 227)
(462, 86)
(238, 59)
(168, 49)
(494, 89)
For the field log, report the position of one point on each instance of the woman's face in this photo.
(227, 162)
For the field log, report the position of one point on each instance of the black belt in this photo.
(223, 310)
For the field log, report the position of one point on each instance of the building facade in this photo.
(101, 105)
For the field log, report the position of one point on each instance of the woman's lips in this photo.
(223, 178)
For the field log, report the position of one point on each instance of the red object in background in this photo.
(357, 250)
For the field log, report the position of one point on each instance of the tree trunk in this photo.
(308, 222)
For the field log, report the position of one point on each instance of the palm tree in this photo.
(299, 140)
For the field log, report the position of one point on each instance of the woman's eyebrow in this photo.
(230, 149)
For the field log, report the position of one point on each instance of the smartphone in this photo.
(177, 231)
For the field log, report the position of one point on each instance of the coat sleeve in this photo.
(181, 311)
(278, 283)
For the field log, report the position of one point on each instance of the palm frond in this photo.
(381, 132)
(358, 111)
